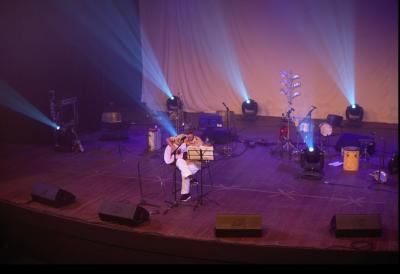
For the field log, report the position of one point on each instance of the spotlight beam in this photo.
(119, 33)
(11, 99)
(215, 32)
(327, 28)
(336, 31)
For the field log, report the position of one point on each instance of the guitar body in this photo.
(169, 158)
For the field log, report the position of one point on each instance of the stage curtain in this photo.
(211, 51)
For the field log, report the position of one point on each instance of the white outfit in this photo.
(187, 169)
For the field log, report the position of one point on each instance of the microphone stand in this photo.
(382, 162)
(227, 149)
(227, 117)
(174, 203)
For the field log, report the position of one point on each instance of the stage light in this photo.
(354, 113)
(312, 163)
(174, 103)
(58, 128)
(250, 108)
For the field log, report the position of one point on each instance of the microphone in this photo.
(183, 138)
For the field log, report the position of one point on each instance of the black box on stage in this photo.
(123, 213)
(356, 225)
(355, 140)
(114, 131)
(245, 225)
(51, 195)
(334, 120)
(208, 120)
(219, 135)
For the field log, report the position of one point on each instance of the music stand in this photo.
(202, 154)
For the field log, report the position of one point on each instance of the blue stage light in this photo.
(311, 149)
(353, 106)
(58, 128)
(248, 101)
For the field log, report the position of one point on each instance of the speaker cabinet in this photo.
(51, 195)
(123, 213)
(356, 225)
(247, 225)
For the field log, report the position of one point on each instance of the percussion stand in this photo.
(364, 149)
(288, 145)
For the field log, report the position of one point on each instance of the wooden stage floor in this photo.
(296, 213)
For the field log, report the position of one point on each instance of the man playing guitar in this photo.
(188, 168)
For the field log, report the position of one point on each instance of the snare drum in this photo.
(351, 159)
(325, 129)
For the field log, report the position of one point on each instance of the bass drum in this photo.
(325, 129)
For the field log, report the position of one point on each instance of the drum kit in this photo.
(304, 127)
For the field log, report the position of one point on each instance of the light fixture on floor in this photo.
(312, 163)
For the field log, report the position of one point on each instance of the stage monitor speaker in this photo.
(356, 225)
(51, 195)
(123, 213)
(245, 225)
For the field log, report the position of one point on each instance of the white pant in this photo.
(187, 169)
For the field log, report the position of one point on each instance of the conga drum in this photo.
(351, 157)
